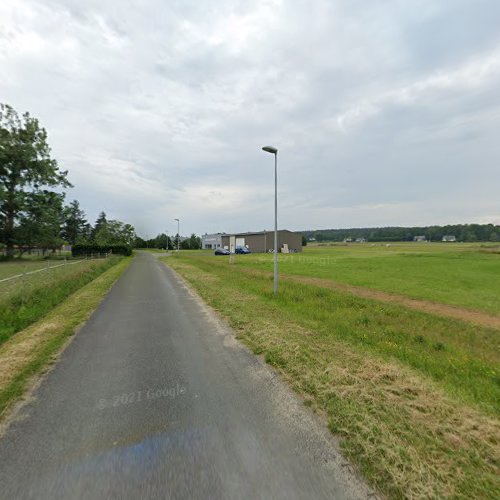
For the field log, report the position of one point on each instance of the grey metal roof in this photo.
(259, 232)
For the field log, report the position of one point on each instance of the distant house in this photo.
(449, 237)
(360, 240)
(419, 238)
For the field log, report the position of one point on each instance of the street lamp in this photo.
(274, 151)
(178, 234)
(166, 232)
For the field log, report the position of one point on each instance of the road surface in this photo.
(154, 398)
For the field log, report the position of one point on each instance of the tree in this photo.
(26, 168)
(139, 242)
(304, 241)
(194, 242)
(75, 225)
(99, 224)
(128, 234)
(40, 225)
(161, 241)
(86, 236)
(114, 232)
(176, 241)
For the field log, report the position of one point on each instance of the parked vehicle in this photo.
(243, 250)
(221, 251)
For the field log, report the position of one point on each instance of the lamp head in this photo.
(270, 149)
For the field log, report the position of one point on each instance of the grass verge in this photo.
(413, 397)
(29, 298)
(30, 350)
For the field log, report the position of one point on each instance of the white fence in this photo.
(48, 266)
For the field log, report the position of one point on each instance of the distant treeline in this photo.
(162, 240)
(462, 232)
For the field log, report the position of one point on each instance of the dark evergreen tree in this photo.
(26, 170)
(75, 224)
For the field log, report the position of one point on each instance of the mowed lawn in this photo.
(466, 275)
(414, 397)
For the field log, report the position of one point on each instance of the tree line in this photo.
(32, 209)
(163, 241)
(462, 232)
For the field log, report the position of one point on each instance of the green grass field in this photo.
(415, 397)
(466, 275)
(20, 266)
(26, 299)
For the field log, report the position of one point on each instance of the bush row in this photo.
(78, 250)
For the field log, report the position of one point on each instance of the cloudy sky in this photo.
(385, 112)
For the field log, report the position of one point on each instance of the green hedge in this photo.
(78, 250)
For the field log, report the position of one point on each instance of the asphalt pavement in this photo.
(155, 398)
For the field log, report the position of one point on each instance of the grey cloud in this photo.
(159, 109)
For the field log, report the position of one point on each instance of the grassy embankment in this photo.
(28, 351)
(414, 397)
(28, 298)
(26, 264)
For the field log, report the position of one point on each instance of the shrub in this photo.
(89, 249)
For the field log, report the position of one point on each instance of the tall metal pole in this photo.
(276, 223)
(178, 234)
(274, 151)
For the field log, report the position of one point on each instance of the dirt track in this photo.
(477, 317)
(472, 316)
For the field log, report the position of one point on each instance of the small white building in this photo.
(449, 237)
(211, 241)
(419, 238)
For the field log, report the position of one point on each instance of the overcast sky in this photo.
(384, 112)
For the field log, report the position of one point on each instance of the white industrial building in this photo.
(211, 241)
(260, 241)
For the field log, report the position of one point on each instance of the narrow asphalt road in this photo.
(154, 398)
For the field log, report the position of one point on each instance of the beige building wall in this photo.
(264, 241)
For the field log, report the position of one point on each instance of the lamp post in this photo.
(166, 232)
(274, 151)
(178, 234)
